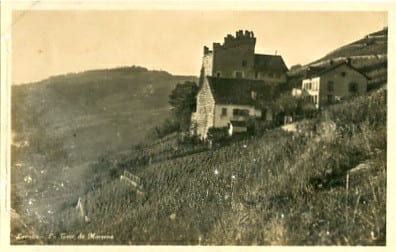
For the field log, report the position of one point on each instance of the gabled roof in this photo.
(316, 72)
(239, 91)
(272, 63)
(312, 71)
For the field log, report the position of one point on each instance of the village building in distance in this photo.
(235, 82)
(327, 85)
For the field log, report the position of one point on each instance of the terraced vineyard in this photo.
(281, 188)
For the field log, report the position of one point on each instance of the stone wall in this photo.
(202, 119)
(207, 64)
(228, 60)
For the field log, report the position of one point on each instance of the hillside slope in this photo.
(92, 112)
(63, 124)
(369, 55)
(281, 188)
(372, 44)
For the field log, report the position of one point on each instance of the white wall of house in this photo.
(312, 86)
(222, 119)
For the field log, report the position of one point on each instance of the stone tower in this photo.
(232, 59)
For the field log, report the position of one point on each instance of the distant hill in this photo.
(91, 112)
(62, 124)
(375, 43)
(368, 54)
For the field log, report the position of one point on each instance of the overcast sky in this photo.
(47, 43)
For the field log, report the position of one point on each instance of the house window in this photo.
(271, 75)
(330, 99)
(218, 74)
(244, 63)
(240, 112)
(224, 112)
(343, 74)
(353, 87)
(330, 86)
(238, 75)
(256, 75)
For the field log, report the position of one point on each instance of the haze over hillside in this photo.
(93, 112)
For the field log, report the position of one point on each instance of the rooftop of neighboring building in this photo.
(313, 72)
(241, 91)
(271, 63)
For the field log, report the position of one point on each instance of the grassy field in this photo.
(279, 189)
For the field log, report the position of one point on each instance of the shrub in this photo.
(169, 126)
(218, 135)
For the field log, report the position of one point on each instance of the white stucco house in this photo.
(334, 82)
(222, 102)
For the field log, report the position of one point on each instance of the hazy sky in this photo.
(47, 43)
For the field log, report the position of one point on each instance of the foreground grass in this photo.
(282, 188)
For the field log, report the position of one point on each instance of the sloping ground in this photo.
(369, 45)
(92, 112)
(281, 188)
(63, 124)
(23, 232)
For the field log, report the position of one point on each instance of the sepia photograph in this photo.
(250, 127)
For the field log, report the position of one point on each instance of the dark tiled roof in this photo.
(272, 63)
(239, 91)
(318, 71)
(312, 71)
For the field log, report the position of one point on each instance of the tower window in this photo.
(218, 74)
